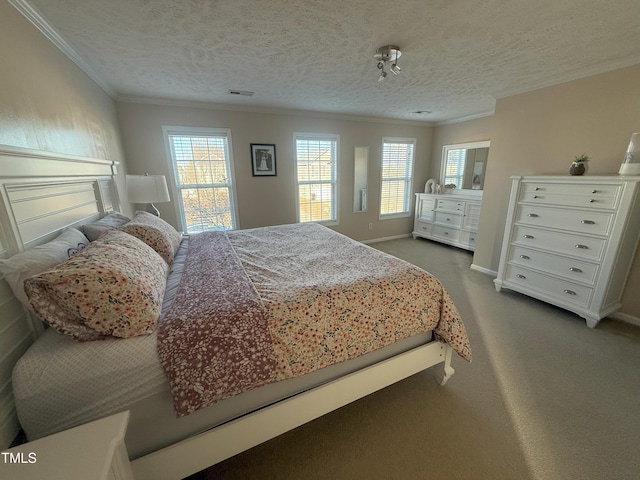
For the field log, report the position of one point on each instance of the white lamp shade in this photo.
(147, 189)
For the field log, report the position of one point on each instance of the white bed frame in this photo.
(43, 193)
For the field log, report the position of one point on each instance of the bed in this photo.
(298, 373)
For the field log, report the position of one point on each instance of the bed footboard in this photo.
(201, 451)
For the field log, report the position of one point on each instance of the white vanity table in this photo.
(450, 215)
(450, 218)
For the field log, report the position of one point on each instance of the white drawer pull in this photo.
(521, 276)
(594, 191)
(588, 222)
(534, 215)
(591, 201)
(537, 189)
(528, 236)
(536, 196)
(525, 257)
(574, 269)
(583, 247)
(569, 292)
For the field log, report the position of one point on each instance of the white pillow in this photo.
(109, 221)
(38, 259)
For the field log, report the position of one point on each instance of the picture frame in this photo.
(263, 159)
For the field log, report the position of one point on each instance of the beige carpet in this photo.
(545, 398)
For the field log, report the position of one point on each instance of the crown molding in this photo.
(466, 119)
(41, 23)
(578, 75)
(267, 110)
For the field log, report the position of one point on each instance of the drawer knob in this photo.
(569, 292)
(521, 276)
(588, 222)
(591, 201)
(575, 269)
(446, 233)
(528, 236)
(534, 215)
(594, 191)
(537, 189)
(582, 247)
(448, 219)
(536, 196)
(525, 257)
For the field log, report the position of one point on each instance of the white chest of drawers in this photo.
(570, 241)
(450, 218)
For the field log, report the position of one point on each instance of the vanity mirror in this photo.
(464, 165)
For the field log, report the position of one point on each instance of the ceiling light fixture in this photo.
(388, 53)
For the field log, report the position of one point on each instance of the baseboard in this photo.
(624, 317)
(486, 271)
(384, 239)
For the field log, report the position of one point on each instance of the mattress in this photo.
(60, 383)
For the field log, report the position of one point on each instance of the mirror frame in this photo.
(466, 146)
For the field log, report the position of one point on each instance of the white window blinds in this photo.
(397, 174)
(202, 168)
(317, 176)
(455, 167)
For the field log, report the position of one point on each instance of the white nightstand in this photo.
(94, 451)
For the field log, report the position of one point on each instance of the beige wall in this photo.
(540, 132)
(46, 102)
(272, 200)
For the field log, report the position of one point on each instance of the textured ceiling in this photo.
(458, 56)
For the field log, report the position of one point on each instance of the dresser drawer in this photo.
(468, 238)
(452, 234)
(446, 218)
(570, 194)
(581, 221)
(569, 268)
(450, 205)
(422, 227)
(578, 246)
(546, 285)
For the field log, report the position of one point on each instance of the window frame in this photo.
(179, 130)
(408, 200)
(335, 183)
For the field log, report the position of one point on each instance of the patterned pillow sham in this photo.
(156, 233)
(110, 220)
(114, 287)
(23, 265)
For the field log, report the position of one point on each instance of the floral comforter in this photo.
(262, 305)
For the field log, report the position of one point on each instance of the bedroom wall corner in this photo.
(47, 103)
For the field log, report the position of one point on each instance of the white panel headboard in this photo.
(41, 194)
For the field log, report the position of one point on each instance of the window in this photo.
(397, 174)
(202, 160)
(454, 170)
(317, 175)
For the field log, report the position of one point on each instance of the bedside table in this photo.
(94, 451)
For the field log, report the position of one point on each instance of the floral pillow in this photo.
(112, 288)
(156, 233)
(25, 264)
(110, 220)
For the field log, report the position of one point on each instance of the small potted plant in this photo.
(579, 165)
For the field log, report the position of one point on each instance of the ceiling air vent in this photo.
(243, 93)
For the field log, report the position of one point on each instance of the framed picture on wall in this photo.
(263, 159)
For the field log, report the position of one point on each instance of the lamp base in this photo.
(151, 208)
(629, 169)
